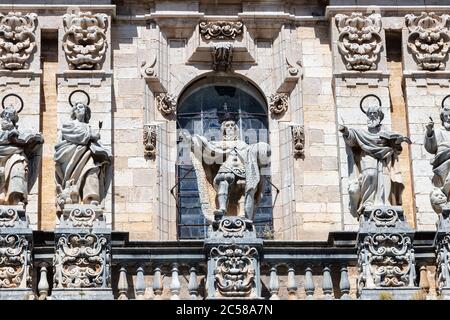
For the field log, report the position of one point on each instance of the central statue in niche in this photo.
(82, 163)
(228, 171)
(374, 177)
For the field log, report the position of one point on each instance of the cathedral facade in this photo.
(276, 149)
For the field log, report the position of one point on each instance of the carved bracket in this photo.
(222, 56)
(220, 30)
(149, 74)
(278, 103)
(291, 77)
(166, 103)
(17, 39)
(428, 39)
(84, 42)
(359, 40)
(298, 139)
(150, 135)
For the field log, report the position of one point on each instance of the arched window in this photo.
(197, 113)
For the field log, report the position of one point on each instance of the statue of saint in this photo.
(374, 177)
(20, 157)
(437, 142)
(82, 163)
(228, 170)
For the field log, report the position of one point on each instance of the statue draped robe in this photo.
(439, 145)
(210, 158)
(374, 177)
(81, 162)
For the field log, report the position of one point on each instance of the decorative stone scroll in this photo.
(359, 40)
(220, 29)
(166, 103)
(82, 261)
(428, 39)
(222, 56)
(278, 103)
(150, 140)
(15, 261)
(17, 39)
(298, 139)
(84, 42)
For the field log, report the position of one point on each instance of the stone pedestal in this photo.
(442, 245)
(385, 255)
(233, 252)
(82, 260)
(16, 242)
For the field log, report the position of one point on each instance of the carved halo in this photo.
(13, 95)
(82, 91)
(443, 100)
(364, 98)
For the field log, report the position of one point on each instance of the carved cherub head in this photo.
(445, 117)
(9, 118)
(81, 112)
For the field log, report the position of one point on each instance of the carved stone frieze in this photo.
(15, 258)
(428, 39)
(278, 103)
(82, 261)
(359, 40)
(298, 139)
(443, 262)
(220, 29)
(80, 215)
(222, 56)
(17, 39)
(84, 41)
(166, 103)
(150, 140)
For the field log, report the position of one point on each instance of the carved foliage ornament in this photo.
(84, 42)
(220, 29)
(359, 40)
(298, 135)
(428, 39)
(278, 103)
(166, 103)
(14, 261)
(17, 39)
(150, 141)
(222, 55)
(82, 261)
(234, 271)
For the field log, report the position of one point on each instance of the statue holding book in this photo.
(374, 176)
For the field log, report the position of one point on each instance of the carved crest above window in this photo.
(84, 42)
(359, 40)
(220, 30)
(428, 39)
(17, 39)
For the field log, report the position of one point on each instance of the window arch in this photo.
(197, 113)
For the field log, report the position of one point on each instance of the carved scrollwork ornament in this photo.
(166, 103)
(14, 261)
(17, 39)
(359, 40)
(220, 29)
(278, 103)
(428, 39)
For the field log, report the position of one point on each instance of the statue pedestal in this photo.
(233, 253)
(82, 255)
(442, 245)
(16, 242)
(385, 255)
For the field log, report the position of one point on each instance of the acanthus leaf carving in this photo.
(166, 103)
(17, 39)
(298, 137)
(278, 103)
(359, 40)
(428, 39)
(84, 42)
(220, 29)
(150, 140)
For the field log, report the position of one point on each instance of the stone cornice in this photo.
(398, 10)
(37, 8)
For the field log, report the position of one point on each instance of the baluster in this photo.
(43, 285)
(157, 284)
(424, 284)
(193, 284)
(291, 285)
(309, 283)
(274, 285)
(327, 285)
(175, 285)
(140, 284)
(344, 284)
(122, 286)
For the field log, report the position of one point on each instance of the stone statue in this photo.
(20, 157)
(228, 170)
(82, 163)
(374, 177)
(437, 142)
